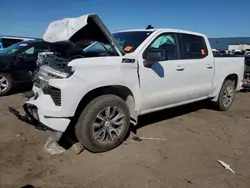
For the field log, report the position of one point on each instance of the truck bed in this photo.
(229, 65)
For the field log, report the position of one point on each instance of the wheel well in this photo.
(120, 91)
(234, 78)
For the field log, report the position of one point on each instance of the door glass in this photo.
(193, 47)
(168, 43)
(42, 47)
(30, 51)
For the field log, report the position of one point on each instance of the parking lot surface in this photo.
(191, 140)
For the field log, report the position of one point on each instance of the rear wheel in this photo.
(103, 124)
(226, 95)
(6, 84)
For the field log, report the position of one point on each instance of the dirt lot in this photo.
(195, 138)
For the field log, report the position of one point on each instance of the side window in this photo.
(29, 53)
(33, 51)
(167, 42)
(193, 47)
(8, 42)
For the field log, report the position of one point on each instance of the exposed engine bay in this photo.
(69, 38)
(54, 64)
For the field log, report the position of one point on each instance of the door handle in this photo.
(209, 66)
(179, 68)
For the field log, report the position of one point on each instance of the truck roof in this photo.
(17, 37)
(163, 29)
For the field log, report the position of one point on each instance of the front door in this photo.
(161, 85)
(176, 79)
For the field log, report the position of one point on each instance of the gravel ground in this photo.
(194, 138)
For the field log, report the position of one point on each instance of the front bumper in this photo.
(41, 102)
(43, 112)
(32, 118)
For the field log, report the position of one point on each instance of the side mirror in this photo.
(153, 55)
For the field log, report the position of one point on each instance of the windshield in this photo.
(128, 41)
(14, 48)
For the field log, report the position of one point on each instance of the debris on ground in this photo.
(226, 166)
(19, 134)
(77, 148)
(136, 138)
(193, 131)
(52, 147)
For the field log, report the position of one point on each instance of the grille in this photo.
(247, 61)
(55, 95)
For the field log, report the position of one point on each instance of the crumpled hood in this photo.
(62, 30)
(86, 27)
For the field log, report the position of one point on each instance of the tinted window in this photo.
(167, 42)
(42, 47)
(30, 52)
(14, 48)
(34, 50)
(131, 40)
(8, 42)
(193, 47)
(100, 48)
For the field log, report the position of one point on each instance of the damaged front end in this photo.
(51, 66)
(31, 117)
(48, 106)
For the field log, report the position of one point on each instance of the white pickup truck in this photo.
(102, 89)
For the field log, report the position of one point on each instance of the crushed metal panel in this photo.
(88, 26)
(62, 30)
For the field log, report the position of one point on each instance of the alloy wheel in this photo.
(108, 124)
(228, 96)
(3, 83)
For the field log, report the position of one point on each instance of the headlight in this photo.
(68, 72)
(51, 73)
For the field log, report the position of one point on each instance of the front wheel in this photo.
(6, 84)
(226, 95)
(103, 124)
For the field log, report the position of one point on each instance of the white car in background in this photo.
(134, 72)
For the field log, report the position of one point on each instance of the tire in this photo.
(6, 84)
(86, 131)
(221, 105)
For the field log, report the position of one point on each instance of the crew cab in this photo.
(123, 76)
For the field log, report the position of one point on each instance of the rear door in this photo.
(198, 66)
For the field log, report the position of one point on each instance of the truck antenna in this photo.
(150, 27)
